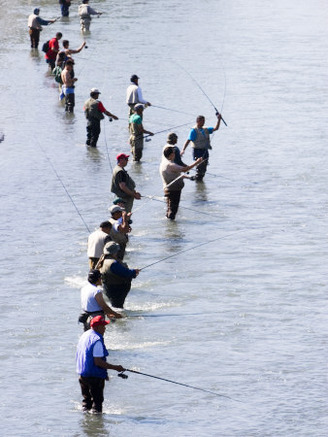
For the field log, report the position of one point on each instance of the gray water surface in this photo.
(245, 315)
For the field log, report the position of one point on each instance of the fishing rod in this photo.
(181, 206)
(216, 110)
(122, 375)
(172, 110)
(192, 248)
(63, 185)
(165, 130)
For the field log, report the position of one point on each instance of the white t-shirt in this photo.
(88, 298)
(96, 242)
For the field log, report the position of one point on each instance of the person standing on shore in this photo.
(35, 24)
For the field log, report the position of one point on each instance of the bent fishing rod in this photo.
(192, 248)
(124, 376)
(216, 110)
(63, 185)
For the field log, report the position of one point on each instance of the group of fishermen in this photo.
(109, 277)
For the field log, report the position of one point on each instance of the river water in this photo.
(245, 315)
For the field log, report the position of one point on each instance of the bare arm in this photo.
(217, 126)
(109, 114)
(107, 310)
(184, 147)
(101, 363)
(129, 192)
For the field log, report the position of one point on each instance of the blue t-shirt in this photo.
(193, 133)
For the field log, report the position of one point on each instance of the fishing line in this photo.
(180, 206)
(165, 130)
(216, 110)
(63, 185)
(172, 110)
(122, 375)
(108, 157)
(192, 248)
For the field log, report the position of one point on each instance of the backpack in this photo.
(57, 73)
(45, 47)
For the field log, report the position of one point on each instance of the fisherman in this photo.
(92, 367)
(116, 275)
(94, 111)
(35, 24)
(134, 94)
(172, 139)
(120, 228)
(68, 86)
(137, 132)
(122, 184)
(97, 241)
(64, 7)
(85, 12)
(92, 300)
(67, 53)
(173, 180)
(199, 137)
(51, 54)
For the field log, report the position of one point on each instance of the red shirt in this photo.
(53, 49)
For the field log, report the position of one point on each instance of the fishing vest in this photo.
(33, 22)
(117, 236)
(84, 11)
(115, 188)
(132, 94)
(108, 277)
(202, 140)
(84, 355)
(91, 109)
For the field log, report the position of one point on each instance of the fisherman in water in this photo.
(172, 177)
(92, 367)
(94, 111)
(35, 24)
(199, 137)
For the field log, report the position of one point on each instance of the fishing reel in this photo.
(122, 375)
(110, 119)
(147, 140)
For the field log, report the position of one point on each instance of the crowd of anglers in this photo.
(109, 277)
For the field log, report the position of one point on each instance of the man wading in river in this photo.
(122, 184)
(92, 367)
(199, 137)
(94, 111)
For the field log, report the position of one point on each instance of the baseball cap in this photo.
(111, 248)
(115, 208)
(134, 77)
(98, 321)
(118, 200)
(95, 91)
(122, 155)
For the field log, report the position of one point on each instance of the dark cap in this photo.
(134, 77)
(94, 276)
(118, 200)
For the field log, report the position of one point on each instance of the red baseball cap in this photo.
(98, 321)
(122, 155)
